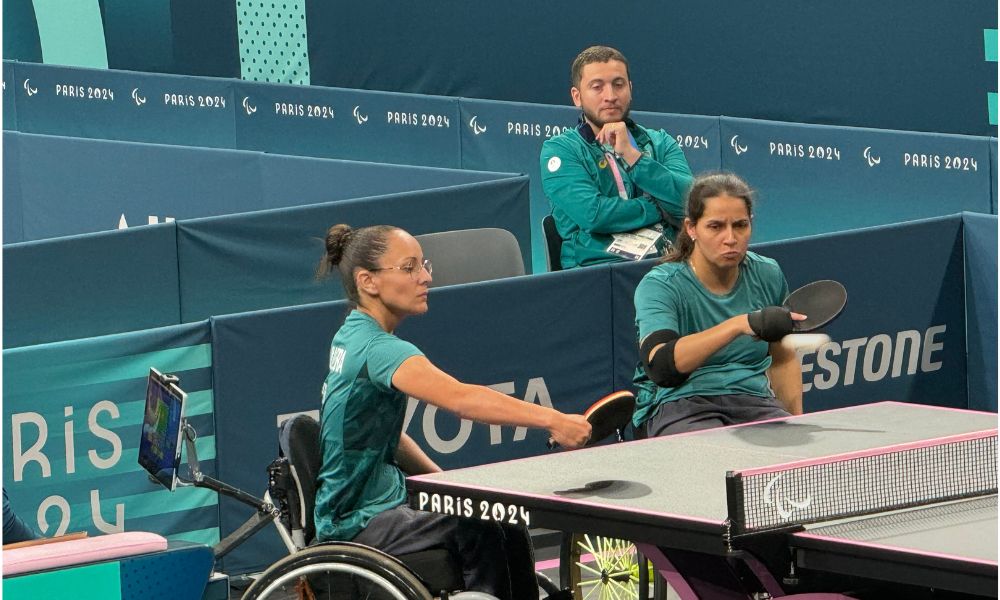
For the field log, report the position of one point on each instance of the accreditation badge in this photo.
(636, 245)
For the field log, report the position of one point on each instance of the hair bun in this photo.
(337, 238)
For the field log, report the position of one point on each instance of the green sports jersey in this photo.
(586, 203)
(671, 297)
(360, 426)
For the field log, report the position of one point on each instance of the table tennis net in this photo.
(862, 483)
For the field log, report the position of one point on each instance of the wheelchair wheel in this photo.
(613, 574)
(336, 572)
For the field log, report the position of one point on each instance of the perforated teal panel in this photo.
(273, 44)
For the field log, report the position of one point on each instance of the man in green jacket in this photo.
(617, 189)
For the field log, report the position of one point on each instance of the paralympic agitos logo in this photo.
(774, 496)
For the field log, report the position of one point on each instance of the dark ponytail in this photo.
(710, 185)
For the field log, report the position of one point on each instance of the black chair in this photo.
(553, 243)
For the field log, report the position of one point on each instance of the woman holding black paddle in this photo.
(710, 321)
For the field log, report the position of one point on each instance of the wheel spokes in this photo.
(614, 574)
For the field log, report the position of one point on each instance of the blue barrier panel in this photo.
(13, 225)
(72, 186)
(9, 91)
(267, 365)
(814, 179)
(266, 259)
(271, 364)
(519, 348)
(681, 56)
(295, 181)
(625, 353)
(994, 182)
(351, 124)
(72, 419)
(509, 135)
(196, 111)
(902, 334)
(89, 285)
(980, 234)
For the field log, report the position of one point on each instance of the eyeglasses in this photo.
(411, 269)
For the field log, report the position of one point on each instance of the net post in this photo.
(734, 505)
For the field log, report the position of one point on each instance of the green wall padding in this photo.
(71, 33)
(273, 45)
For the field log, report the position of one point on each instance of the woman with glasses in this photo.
(361, 495)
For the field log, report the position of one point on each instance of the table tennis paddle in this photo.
(609, 415)
(821, 301)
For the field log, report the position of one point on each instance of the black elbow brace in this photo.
(661, 370)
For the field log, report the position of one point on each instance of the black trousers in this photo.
(706, 412)
(495, 559)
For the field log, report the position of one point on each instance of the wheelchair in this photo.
(335, 570)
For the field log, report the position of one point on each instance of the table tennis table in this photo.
(887, 492)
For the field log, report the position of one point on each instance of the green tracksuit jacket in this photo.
(586, 204)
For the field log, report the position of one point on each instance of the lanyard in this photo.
(613, 165)
(616, 171)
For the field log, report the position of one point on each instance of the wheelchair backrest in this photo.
(298, 441)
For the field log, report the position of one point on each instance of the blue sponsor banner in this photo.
(902, 333)
(267, 259)
(171, 109)
(73, 186)
(980, 235)
(271, 364)
(125, 106)
(351, 124)
(13, 227)
(815, 179)
(72, 421)
(90, 285)
(9, 105)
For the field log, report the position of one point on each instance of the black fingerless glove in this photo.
(771, 323)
